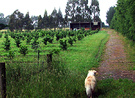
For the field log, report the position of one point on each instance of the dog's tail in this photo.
(88, 91)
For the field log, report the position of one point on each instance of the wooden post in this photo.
(49, 59)
(3, 80)
(38, 56)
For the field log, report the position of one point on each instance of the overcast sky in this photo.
(37, 7)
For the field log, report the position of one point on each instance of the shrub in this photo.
(0, 35)
(12, 35)
(7, 44)
(18, 42)
(23, 37)
(80, 36)
(45, 40)
(11, 55)
(54, 51)
(23, 50)
(50, 40)
(35, 44)
(58, 36)
(28, 40)
(42, 34)
(6, 36)
(63, 44)
(70, 41)
(71, 33)
(82, 29)
(74, 39)
(36, 35)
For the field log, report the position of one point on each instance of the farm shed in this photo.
(86, 25)
(96, 25)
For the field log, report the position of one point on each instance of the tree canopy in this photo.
(110, 14)
(28, 24)
(123, 20)
(95, 9)
(78, 11)
(16, 20)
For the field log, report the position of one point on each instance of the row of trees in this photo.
(18, 21)
(4, 20)
(51, 21)
(76, 11)
(123, 20)
(80, 11)
(110, 14)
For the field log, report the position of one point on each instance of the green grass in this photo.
(86, 53)
(110, 88)
(65, 78)
(131, 52)
(129, 47)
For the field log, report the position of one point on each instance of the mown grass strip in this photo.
(86, 54)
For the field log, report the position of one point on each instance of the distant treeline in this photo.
(75, 11)
(123, 20)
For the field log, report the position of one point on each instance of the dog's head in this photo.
(92, 72)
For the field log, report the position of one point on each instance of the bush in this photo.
(42, 34)
(82, 29)
(7, 44)
(36, 35)
(35, 44)
(80, 36)
(28, 39)
(23, 50)
(58, 36)
(12, 35)
(71, 33)
(11, 55)
(54, 51)
(70, 41)
(23, 37)
(0, 35)
(63, 44)
(50, 40)
(45, 40)
(74, 39)
(6, 36)
(18, 42)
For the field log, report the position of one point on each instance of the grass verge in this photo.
(110, 88)
(129, 47)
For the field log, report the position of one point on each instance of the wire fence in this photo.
(23, 67)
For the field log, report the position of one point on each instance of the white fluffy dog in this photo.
(90, 82)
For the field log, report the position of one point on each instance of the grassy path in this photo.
(115, 64)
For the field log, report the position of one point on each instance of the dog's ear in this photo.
(96, 73)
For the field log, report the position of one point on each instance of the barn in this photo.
(86, 25)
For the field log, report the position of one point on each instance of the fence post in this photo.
(49, 59)
(3, 80)
(38, 56)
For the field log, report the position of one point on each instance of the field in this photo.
(29, 76)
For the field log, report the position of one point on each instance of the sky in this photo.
(38, 7)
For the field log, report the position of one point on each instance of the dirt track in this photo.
(115, 64)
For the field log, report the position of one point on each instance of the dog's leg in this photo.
(92, 93)
(88, 96)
